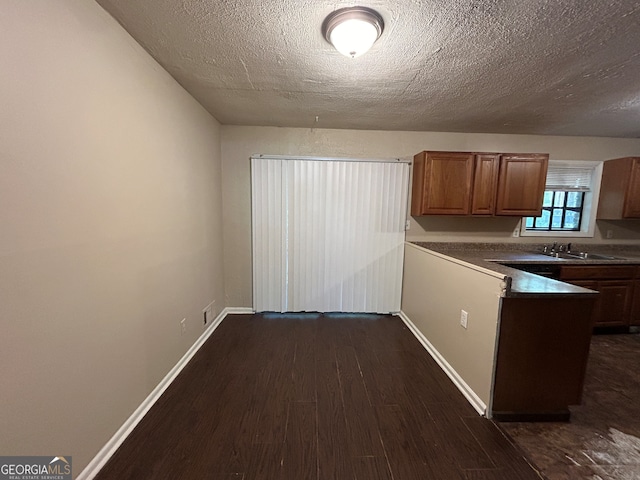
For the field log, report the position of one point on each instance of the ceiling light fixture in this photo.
(353, 30)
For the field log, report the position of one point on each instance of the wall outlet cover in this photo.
(463, 318)
(207, 313)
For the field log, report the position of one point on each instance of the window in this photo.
(561, 211)
(570, 201)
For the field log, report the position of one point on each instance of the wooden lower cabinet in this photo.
(543, 346)
(615, 285)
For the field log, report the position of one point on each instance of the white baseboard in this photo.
(457, 380)
(239, 311)
(92, 469)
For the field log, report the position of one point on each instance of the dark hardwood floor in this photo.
(315, 397)
(602, 440)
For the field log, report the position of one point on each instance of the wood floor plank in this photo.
(409, 457)
(333, 458)
(300, 454)
(464, 449)
(371, 468)
(271, 424)
(265, 462)
(491, 474)
(304, 371)
(363, 437)
(380, 381)
(502, 452)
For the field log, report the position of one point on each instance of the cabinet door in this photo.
(521, 184)
(634, 318)
(485, 184)
(615, 302)
(445, 186)
(632, 198)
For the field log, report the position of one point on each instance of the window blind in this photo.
(577, 179)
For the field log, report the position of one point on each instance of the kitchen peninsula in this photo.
(515, 343)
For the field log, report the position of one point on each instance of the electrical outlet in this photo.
(207, 313)
(609, 233)
(407, 225)
(516, 231)
(463, 318)
(183, 326)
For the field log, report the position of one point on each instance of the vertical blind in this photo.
(328, 235)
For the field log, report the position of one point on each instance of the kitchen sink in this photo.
(595, 256)
(582, 256)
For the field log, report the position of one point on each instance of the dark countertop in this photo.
(491, 255)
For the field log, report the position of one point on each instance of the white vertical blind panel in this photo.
(269, 235)
(343, 224)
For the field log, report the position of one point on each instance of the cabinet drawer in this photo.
(597, 272)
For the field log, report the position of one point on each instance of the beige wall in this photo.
(110, 226)
(434, 291)
(239, 143)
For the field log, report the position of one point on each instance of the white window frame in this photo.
(589, 209)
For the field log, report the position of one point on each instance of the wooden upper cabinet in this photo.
(620, 189)
(463, 183)
(521, 184)
(442, 183)
(485, 182)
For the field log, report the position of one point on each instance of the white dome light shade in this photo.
(353, 37)
(352, 31)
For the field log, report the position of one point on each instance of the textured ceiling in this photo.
(561, 67)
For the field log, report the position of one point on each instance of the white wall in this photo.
(239, 143)
(110, 226)
(434, 291)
